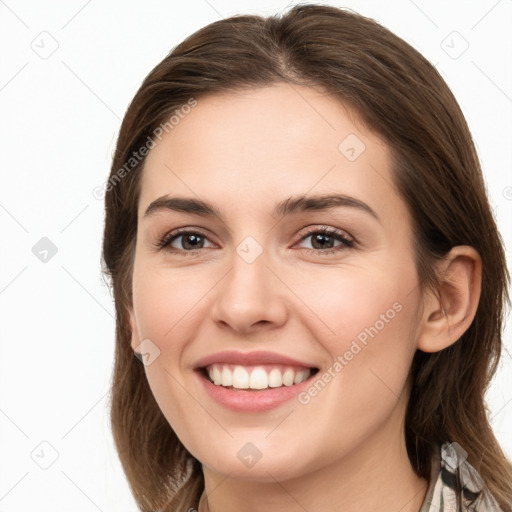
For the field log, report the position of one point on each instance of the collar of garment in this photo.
(455, 485)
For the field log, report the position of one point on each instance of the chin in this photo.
(265, 470)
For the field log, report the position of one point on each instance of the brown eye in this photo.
(189, 242)
(183, 241)
(323, 240)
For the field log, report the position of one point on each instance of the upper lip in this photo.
(249, 359)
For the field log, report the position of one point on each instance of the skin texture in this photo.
(244, 152)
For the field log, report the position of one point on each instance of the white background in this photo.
(59, 120)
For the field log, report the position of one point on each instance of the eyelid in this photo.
(329, 230)
(347, 241)
(164, 241)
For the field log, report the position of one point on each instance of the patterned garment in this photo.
(455, 485)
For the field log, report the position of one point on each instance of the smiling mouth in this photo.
(257, 377)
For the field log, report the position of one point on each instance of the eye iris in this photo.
(323, 237)
(196, 240)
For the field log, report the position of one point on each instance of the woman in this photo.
(345, 374)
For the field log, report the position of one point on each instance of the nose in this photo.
(250, 297)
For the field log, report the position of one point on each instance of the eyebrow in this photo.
(295, 204)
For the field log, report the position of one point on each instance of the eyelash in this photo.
(164, 242)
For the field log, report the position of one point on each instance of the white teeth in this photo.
(240, 378)
(288, 377)
(217, 378)
(275, 380)
(256, 377)
(301, 376)
(227, 377)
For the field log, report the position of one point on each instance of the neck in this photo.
(376, 475)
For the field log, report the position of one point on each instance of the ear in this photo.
(135, 341)
(448, 313)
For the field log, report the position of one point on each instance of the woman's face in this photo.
(254, 295)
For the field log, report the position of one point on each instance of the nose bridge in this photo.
(249, 293)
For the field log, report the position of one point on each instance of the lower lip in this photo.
(252, 401)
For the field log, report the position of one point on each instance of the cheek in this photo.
(166, 304)
(169, 308)
(356, 302)
(374, 320)
(368, 324)
(361, 394)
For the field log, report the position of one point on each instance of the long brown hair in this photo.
(401, 97)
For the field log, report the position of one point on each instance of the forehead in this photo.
(249, 149)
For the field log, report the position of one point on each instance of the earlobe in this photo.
(448, 313)
(135, 342)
